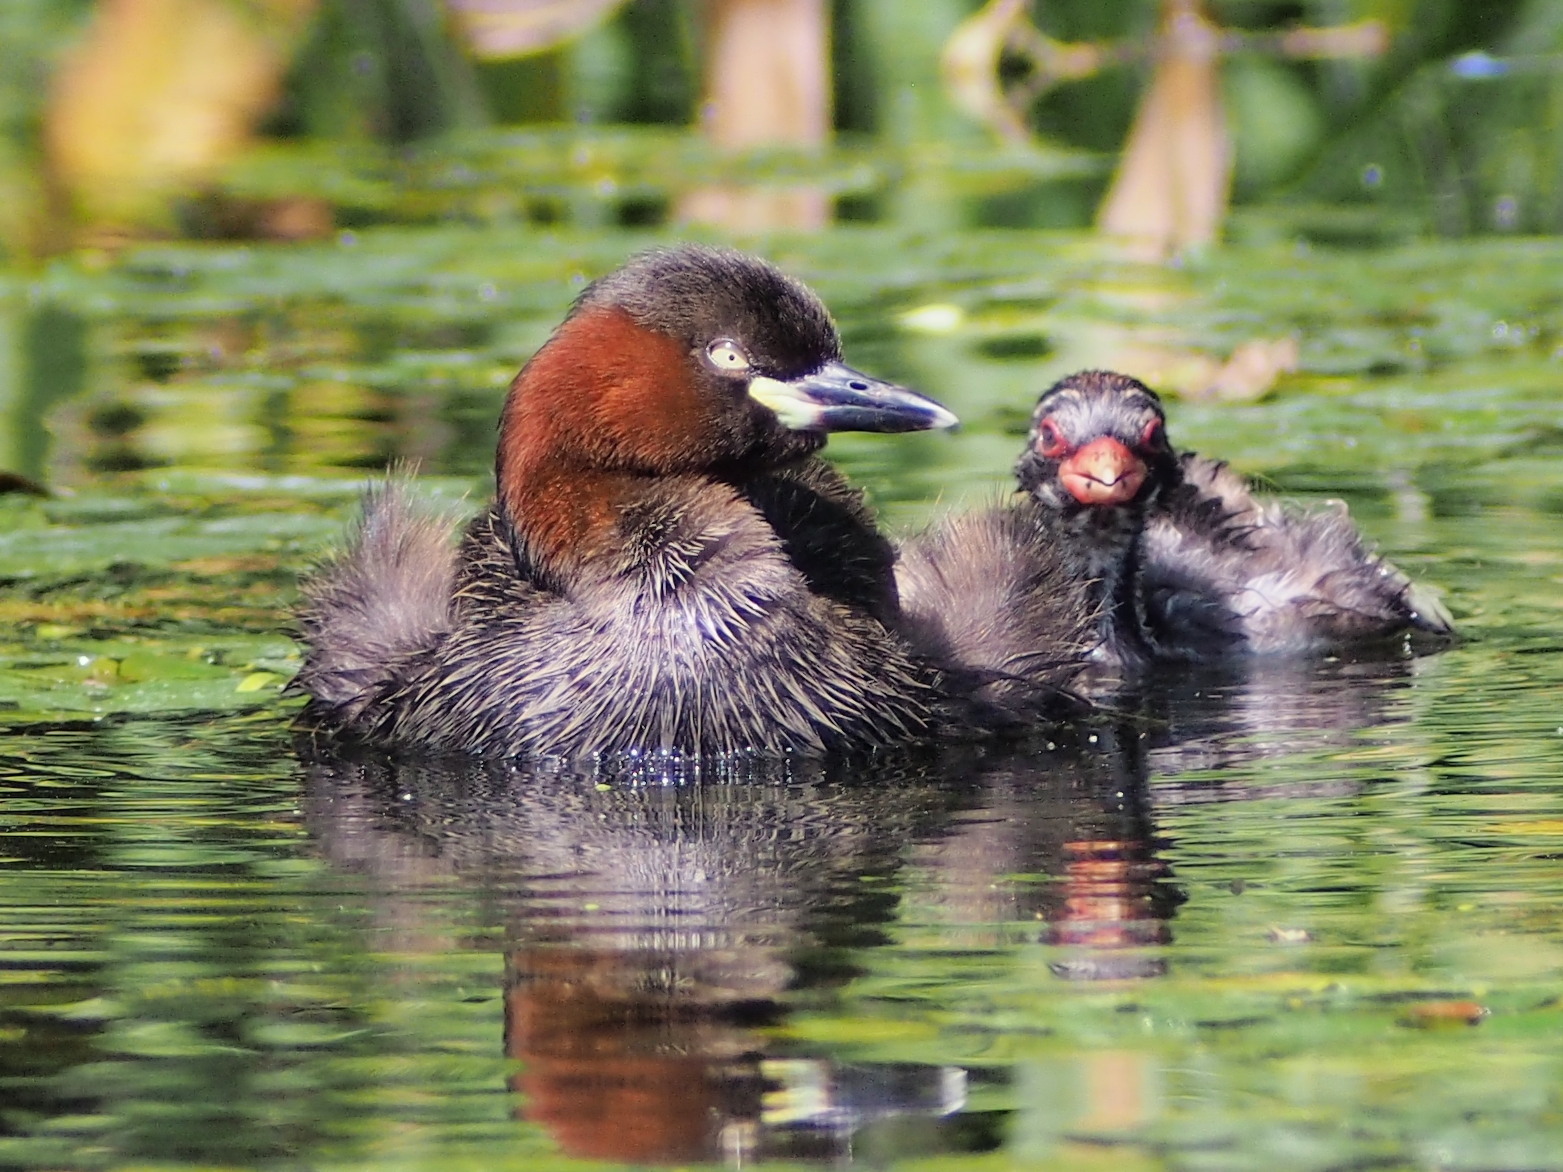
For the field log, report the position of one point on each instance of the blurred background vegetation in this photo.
(314, 235)
(297, 118)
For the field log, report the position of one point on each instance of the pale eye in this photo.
(726, 355)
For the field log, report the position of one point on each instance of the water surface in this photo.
(1292, 916)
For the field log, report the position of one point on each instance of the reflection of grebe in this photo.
(620, 1065)
(622, 1061)
(654, 933)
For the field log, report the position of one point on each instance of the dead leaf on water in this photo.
(1432, 1014)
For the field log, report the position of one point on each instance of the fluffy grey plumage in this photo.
(1226, 570)
(991, 594)
(385, 597)
(702, 635)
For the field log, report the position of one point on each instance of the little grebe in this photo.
(1188, 562)
(666, 565)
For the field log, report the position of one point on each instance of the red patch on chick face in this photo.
(1103, 472)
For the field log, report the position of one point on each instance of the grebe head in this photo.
(685, 360)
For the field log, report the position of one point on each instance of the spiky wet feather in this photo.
(1225, 568)
(385, 596)
(1199, 565)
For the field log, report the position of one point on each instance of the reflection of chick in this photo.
(1222, 719)
(1065, 845)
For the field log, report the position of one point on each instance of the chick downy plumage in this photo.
(1189, 561)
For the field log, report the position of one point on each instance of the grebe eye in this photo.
(727, 356)
(1153, 434)
(1050, 441)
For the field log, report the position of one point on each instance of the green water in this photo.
(1298, 917)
